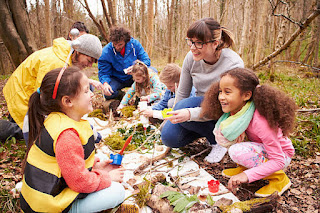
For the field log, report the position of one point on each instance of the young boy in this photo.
(170, 76)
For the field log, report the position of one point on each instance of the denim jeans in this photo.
(104, 199)
(181, 134)
(116, 85)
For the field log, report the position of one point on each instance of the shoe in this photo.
(232, 172)
(9, 129)
(278, 181)
(216, 154)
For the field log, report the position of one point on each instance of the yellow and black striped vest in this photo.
(43, 188)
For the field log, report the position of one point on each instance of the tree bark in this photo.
(9, 31)
(291, 39)
(261, 21)
(246, 21)
(48, 23)
(150, 28)
(170, 18)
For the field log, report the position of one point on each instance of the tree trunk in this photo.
(170, 18)
(55, 19)
(48, 23)
(112, 6)
(316, 44)
(22, 23)
(143, 21)
(150, 28)
(18, 46)
(246, 21)
(261, 20)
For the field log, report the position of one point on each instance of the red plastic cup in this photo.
(213, 186)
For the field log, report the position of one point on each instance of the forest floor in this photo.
(304, 172)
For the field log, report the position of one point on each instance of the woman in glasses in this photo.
(208, 58)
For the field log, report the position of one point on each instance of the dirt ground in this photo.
(303, 196)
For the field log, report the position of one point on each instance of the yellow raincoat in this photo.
(28, 77)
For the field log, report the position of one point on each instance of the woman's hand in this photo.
(178, 116)
(236, 180)
(147, 112)
(117, 174)
(107, 90)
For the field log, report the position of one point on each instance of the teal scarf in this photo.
(233, 126)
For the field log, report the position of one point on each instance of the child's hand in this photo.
(144, 98)
(120, 107)
(105, 165)
(147, 112)
(236, 180)
(117, 174)
(178, 116)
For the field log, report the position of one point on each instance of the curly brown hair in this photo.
(277, 107)
(141, 70)
(119, 33)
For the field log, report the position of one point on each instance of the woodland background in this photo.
(260, 28)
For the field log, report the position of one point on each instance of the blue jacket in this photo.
(112, 63)
(163, 103)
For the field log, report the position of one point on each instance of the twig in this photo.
(200, 153)
(309, 110)
(297, 62)
(176, 182)
(220, 193)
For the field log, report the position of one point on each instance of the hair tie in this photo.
(38, 90)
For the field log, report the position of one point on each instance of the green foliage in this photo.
(306, 138)
(3, 77)
(306, 93)
(127, 111)
(181, 202)
(140, 135)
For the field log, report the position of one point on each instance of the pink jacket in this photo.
(276, 145)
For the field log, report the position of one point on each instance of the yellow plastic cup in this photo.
(165, 111)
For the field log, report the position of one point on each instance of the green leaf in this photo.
(210, 201)
(167, 193)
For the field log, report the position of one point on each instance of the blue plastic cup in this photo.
(117, 159)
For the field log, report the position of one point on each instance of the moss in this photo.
(116, 142)
(127, 111)
(97, 113)
(143, 195)
(245, 206)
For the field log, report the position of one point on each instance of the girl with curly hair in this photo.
(146, 85)
(261, 113)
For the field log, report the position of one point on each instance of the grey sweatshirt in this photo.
(201, 75)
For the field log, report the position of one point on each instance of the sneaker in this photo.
(216, 154)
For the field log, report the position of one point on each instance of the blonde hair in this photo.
(170, 73)
(139, 69)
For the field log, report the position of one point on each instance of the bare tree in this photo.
(246, 22)
(15, 30)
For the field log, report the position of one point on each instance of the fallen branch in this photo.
(140, 169)
(308, 110)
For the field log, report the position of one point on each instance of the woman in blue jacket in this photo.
(117, 56)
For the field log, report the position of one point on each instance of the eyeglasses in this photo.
(197, 44)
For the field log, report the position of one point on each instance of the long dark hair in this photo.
(208, 29)
(277, 107)
(41, 105)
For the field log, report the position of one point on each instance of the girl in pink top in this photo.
(260, 115)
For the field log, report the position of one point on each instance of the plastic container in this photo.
(213, 186)
(117, 159)
(165, 111)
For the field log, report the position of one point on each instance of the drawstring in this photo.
(134, 50)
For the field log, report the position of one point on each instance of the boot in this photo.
(234, 171)
(278, 181)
